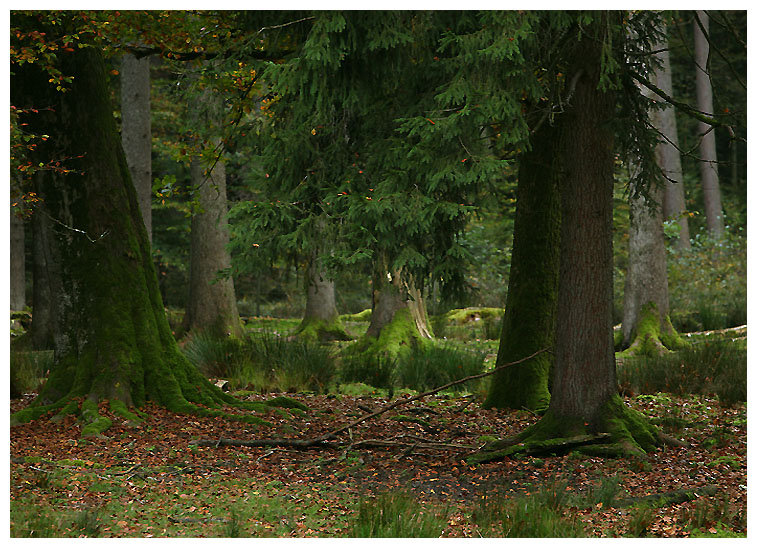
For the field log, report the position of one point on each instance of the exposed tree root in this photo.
(622, 432)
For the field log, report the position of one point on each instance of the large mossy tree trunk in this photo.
(530, 311)
(321, 319)
(110, 334)
(584, 395)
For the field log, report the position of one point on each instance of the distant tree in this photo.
(136, 135)
(668, 152)
(707, 150)
(211, 304)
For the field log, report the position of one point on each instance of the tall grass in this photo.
(708, 283)
(424, 368)
(263, 361)
(396, 515)
(539, 515)
(420, 368)
(28, 370)
(709, 367)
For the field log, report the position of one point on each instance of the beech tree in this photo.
(136, 135)
(110, 335)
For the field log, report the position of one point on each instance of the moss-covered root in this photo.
(653, 335)
(622, 432)
(397, 336)
(322, 330)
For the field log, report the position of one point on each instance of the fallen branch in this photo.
(324, 440)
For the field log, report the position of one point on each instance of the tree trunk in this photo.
(45, 277)
(111, 338)
(17, 263)
(212, 305)
(136, 135)
(708, 155)
(667, 151)
(584, 395)
(399, 319)
(646, 321)
(529, 321)
(321, 320)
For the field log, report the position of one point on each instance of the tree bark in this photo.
(111, 338)
(530, 311)
(646, 321)
(17, 263)
(211, 305)
(584, 394)
(667, 151)
(46, 280)
(707, 152)
(136, 134)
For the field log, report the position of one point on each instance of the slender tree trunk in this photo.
(668, 153)
(646, 323)
(17, 263)
(212, 302)
(112, 341)
(136, 134)
(530, 311)
(708, 165)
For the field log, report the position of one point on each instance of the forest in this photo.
(460, 274)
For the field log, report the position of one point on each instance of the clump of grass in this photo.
(641, 518)
(377, 371)
(430, 366)
(605, 493)
(539, 515)
(420, 368)
(706, 514)
(28, 370)
(708, 367)
(396, 515)
(263, 361)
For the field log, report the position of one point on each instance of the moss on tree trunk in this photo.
(584, 392)
(529, 320)
(111, 337)
(399, 320)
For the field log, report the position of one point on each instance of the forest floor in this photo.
(152, 481)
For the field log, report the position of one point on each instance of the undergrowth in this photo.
(709, 367)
